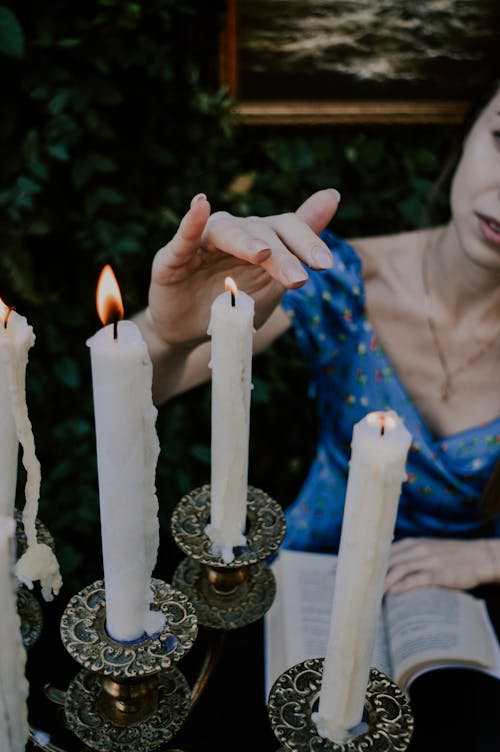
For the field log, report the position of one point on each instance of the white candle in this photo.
(127, 453)
(38, 561)
(379, 446)
(16, 338)
(14, 728)
(231, 330)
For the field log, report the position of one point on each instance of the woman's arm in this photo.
(178, 369)
(265, 256)
(463, 564)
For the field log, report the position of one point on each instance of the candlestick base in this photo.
(126, 720)
(28, 607)
(30, 614)
(293, 697)
(129, 697)
(239, 605)
(227, 595)
(84, 635)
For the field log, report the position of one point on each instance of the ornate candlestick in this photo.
(28, 607)
(293, 699)
(129, 696)
(30, 613)
(234, 594)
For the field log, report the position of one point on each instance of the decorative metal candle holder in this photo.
(129, 696)
(227, 595)
(30, 614)
(28, 607)
(293, 699)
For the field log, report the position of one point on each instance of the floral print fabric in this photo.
(351, 375)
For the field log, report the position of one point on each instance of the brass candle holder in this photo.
(30, 613)
(129, 697)
(227, 595)
(293, 699)
(28, 606)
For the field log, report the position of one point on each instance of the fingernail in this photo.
(198, 199)
(254, 246)
(263, 255)
(293, 274)
(335, 193)
(321, 257)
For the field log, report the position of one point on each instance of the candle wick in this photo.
(233, 300)
(115, 329)
(382, 429)
(7, 315)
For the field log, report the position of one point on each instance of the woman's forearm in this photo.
(443, 562)
(175, 369)
(492, 553)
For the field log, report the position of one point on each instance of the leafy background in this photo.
(112, 119)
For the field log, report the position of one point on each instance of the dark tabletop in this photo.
(454, 709)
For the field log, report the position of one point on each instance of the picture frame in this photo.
(281, 60)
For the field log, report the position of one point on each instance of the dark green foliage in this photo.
(111, 120)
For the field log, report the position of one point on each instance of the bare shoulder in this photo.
(388, 254)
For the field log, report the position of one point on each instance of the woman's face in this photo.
(475, 192)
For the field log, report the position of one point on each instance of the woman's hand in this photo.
(263, 255)
(462, 564)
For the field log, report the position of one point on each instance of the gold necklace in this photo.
(448, 373)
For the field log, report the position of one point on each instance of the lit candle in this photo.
(127, 453)
(38, 561)
(16, 338)
(379, 447)
(14, 728)
(231, 331)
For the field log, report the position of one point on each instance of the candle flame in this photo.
(5, 312)
(383, 421)
(108, 297)
(230, 286)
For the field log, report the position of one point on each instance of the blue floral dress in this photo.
(351, 375)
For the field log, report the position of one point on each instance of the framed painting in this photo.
(369, 61)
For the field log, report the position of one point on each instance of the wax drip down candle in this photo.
(379, 449)
(38, 561)
(127, 453)
(14, 687)
(16, 339)
(231, 331)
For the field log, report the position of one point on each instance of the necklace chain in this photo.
(448, 373)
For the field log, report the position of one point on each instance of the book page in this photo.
(296, 626)
(428, 627)
(274, 645)
(381, 657)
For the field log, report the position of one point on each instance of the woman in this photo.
(408, 321)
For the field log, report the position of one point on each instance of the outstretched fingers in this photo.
(300, 245)
(185, 244)
(319, 209)
(242, 238)
(284, 244)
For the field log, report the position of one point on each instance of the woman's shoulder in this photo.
(381, 254)
(361, 261)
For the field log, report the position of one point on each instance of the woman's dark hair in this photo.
(474, 109)
(477, 106)
(489, 503)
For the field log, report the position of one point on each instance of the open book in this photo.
(417, 631)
